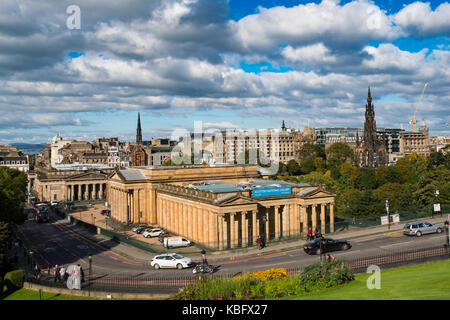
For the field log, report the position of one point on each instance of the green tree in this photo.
(310, 152)
(13, 186)
(399, 196)
(293, 168)
(365, 179)
(429, 182)
(320, 165)
(412, 167)
(340, 151)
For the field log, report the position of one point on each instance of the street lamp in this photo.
(321, 243)
(264, 231)
(436, 204)
(90, 274)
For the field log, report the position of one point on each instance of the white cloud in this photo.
(316, 53)
(420, 21)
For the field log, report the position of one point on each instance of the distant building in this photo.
(12, 158)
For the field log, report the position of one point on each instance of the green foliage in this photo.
(5, 236)
(13, 186)
(365, 179)
(399, 195)
(246, 287)
(14, 280)
(341, 152)
(310, 152)
(325, 275)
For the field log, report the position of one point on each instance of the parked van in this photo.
(174, 242)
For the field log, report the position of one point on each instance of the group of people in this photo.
(310, 235)
(62, 275)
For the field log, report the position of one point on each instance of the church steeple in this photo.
(139, 130)
(283, 126)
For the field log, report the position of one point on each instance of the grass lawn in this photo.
(25, 294)
(430, 281)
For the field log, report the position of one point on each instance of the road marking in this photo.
(342, 253)
(396, 244)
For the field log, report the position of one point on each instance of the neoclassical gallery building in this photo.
(219, 207)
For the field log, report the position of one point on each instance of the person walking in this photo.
(57, 273)
(81, 273)
(316, 233)
(62, 273)
(309, 234)
(259, 242)
(37, 271)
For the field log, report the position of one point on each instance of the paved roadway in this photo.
(57, 245)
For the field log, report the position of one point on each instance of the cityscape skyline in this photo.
(229, 64)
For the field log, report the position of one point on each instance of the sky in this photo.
(85, 68)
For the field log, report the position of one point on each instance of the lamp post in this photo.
(321, 243)
(388, 215)
(264, 231)
(90, 274)
(436, 204)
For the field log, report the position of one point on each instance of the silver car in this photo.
(418, 228)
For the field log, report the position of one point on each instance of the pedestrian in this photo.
(309, 234)
(62, 273)
(81, 273)
(37, 271)
(204, 261)
(259, 242)
(316, 233)
(330, 257)
(57, 273)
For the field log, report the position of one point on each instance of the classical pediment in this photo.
(87, 176)
(314, 193)
(234, 200)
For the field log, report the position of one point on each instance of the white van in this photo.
(174, 242)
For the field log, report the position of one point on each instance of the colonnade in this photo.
(240, 226)
(85, 191)
(125, 204)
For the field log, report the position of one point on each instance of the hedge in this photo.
(14, 280)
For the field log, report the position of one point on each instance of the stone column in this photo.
(220, 224)
(244, 229)
(190, 222)
(200, 230)
(277, 222)
(267, 225)
(322, 218)
(232, 231)
(296, 228)
(206, 227)
(331, 217)
(254, 227)
(314, 217)
(212, 230)
(195, 224)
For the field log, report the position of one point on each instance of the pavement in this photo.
(135, 255)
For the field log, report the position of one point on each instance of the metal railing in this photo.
(163, 284)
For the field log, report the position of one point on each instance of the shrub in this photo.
(325, 275)
(265, 275)
(14, 280)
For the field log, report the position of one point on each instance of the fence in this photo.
(145, 284)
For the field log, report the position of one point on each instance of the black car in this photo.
(106, 213)
(313, 247)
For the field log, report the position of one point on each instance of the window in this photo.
(421, 225)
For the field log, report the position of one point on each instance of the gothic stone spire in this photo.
(139, 130)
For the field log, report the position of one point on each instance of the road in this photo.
(55, 244)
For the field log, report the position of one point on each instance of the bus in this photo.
(41, 214)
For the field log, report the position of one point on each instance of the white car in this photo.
(155, 232)
(54, 203)
(171, 260)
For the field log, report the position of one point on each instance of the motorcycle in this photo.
(200, 267)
